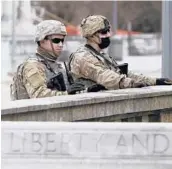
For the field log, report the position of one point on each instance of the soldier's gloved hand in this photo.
(95, 88)
(76, 87)
(163, 81)
(138, 85)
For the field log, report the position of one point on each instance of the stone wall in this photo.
(44, 145)
(150, 104)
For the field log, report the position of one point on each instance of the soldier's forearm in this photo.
(44, 92)
(108, 78)
(141, 78)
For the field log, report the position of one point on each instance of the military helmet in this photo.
(49, 27)
(92, 24)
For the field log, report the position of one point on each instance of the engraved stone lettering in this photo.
(160, 139)
(65, 143)
(92, 146)
(50, 142)
(36, 142)
(139, 145)
(15, 147)
(121, 144)
(81, 144)
(23, 142)
(121, 141)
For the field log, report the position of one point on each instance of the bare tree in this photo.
(138, 12)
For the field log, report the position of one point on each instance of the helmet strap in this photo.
(99, 39)
(94, 43)
(53, 48)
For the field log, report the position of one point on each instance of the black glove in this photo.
(138, 85)
(123, 68)
(163, 81)
(75, 87)
(95, 88)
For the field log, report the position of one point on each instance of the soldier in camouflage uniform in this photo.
(90, 65)
(36, 77)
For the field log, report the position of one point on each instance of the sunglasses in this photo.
(104, 31)
(57, 40)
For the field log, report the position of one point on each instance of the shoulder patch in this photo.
(34, 78)
(34, 74)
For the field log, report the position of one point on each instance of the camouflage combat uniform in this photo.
(32, 76)
(87, 63)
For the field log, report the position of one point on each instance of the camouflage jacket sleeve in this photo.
(34, 80)
(84, 64)
(143, 79)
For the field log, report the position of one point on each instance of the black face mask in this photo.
(105, 42)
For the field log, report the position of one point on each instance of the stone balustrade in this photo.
(149, 104)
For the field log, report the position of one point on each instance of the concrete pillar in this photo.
(115, 15)
(167, 39)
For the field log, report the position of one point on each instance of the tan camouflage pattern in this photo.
(92, 24)
(33, 82)
(86, 64)
(148, 81)
(49, 27)
(17, 89)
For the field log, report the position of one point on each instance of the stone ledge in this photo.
(82, 145)
(30, 105)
